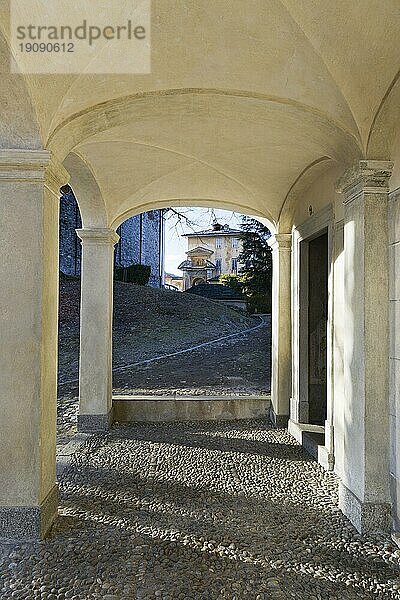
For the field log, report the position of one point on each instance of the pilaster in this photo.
(29, 189)
(364, 495)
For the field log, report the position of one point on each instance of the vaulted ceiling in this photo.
(243, 97)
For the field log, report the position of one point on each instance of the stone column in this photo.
(95, 365)
(364, 490)
(30, 184)
(281, 355)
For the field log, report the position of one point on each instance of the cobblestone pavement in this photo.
(199, 511)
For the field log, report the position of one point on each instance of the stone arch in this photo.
(139, 166)
(193, 202)
(87, 192)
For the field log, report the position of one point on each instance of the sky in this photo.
(176, 246)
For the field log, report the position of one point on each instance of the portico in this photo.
(245, 128)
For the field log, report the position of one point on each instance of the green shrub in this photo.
(256, 288)
(232, 281)
(139, 274)
(259, 303)
(65, 277)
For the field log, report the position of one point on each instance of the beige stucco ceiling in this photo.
(210, 146)
(241, 99)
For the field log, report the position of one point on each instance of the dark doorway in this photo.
(317, 328)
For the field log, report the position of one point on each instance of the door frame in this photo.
(316, 225)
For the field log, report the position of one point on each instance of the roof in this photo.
(199, 251)
(187, 265)
(226, 230)
(215, 292)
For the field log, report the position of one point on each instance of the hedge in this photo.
(139, 274)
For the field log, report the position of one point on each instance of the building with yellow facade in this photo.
(211, 253)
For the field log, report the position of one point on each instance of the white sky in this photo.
(176, 246)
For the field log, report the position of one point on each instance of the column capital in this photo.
(98, 236)
(280, 242)
(366, 176)
(33, 166)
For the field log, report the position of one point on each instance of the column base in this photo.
(29, 522)
(91, 423)
(367, 517)
(278, 420)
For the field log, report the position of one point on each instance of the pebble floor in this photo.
(199, 511)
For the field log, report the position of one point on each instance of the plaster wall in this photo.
(394, 354)
(320, 194)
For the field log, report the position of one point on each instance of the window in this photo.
(235, 242)
(218, 242)
(218, 264)
(234, 265)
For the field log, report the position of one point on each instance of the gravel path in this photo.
(199, 511)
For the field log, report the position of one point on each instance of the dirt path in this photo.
(237, 365)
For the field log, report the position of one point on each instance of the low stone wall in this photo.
(189, 408)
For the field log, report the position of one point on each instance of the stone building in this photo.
(287, 111)
(211, 253)
(197, 268)
(141, 240)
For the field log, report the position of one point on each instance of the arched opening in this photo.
(166, 345)
(236, 121)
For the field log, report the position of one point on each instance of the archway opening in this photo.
(206, 336)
